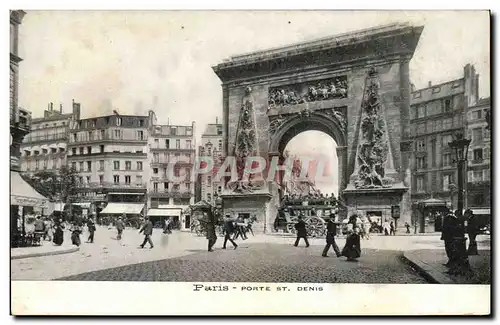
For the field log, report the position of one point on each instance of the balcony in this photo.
(105, 138)
(172, 193)
(108, 154)
(154, 148)
(180, 163)
(111, 185)
(29, 139)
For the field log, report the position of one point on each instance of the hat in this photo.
(119, 217)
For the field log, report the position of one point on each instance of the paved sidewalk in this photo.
(429, 262)
(46, 249)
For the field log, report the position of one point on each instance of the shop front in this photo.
(131, 213)
(429, 215)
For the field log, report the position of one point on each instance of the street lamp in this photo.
(461, 260)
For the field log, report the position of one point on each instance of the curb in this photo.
(59, 252)
(425, 270)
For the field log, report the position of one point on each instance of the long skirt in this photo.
(352, 248)
(58, 237)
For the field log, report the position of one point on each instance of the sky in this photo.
(133, 61)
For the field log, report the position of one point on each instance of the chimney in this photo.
(430, 84)
(60, 108)
(216, 120)
(48, 106)
(51, 106)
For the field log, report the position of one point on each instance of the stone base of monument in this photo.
(377, 201)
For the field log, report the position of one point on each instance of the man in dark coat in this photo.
(119, 228)
(228, 231)
(447, 236)
(91, 227)
(211, 235)
(331, 231)
(147, 229)
(300, 226)
(472, 231)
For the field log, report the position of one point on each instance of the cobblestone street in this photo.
(261, 262)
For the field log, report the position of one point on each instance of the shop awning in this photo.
(121, 208)
(59, 207)
(21, 193)
(84, 205)
(432, 203)
(164, 213)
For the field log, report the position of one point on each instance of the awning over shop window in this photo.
(164, 212)
(121, 208)
(21, 193)
(59, 207)
(481, 211)
(84, 205)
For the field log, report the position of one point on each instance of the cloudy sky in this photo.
(133, 61)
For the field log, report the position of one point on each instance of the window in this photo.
(447, 160)
(73, 165)
(140, 135)
(165, 186)
(188, 174)
(89, 166)
(421, 128)
(420, 184)
(433, 152)
(446, 140)
(89, 149)
(116, 179)
(128, 165)
(54, 150)
(155, 187)
(118, 121)
(189, 131)
(103, 134)
(477, 134)
(117, 134)
(209, 181)
(88, 180)
(447, 180)
(167, 143)
(447, 123)
(413, 112)
(447, 105)
(157, 143)
(421, 111)
(478, 175)
(127, 180)
(45, 164)
(80, 166)
(430, 126)
(116, 165)
(138, 180)
(188, 187)
(156, 157)
(73, 151)
(141, 123)
(155, 171)
(101, 179)
(478, 154)
(139, 165)
(476, 115)
(138, 151)
(74, 137)
(81, 151)
(421, 145)
(188, 144)
(438, 125)
(220, 145)
(209, 197)
(173, 131)
(177, 144)
(91, 135)
(176, 171)
(101, 147)
(486, 175)
(176, 187)
(219, 189)
(80, 180)
(421, 162)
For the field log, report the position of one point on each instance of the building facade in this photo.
(110, 155)
(211, 147)
(44, 148)
(171, 156)
(479, 165)
(437, 113)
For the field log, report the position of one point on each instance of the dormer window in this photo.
(118, 121)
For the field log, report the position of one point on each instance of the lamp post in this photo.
(460, 257)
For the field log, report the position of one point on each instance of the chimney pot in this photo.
(51, 106)
(60, 108)
(430, 83)
(217, 120)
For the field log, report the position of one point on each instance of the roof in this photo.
(21, 193)
(212, 129)
(434, 92)
(483, 102)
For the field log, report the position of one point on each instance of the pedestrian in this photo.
(331, 231)
(472, 231)
(147, 229)
(119, 228)
(352, 248)
(76, 230)
(240, 229)
(392, 228)
(59, 233)
(300, 227)
(407, 225)
(228, 231)
(447, 237)
(210, 226)
(91, 227)
(415, 224)
(386, 228)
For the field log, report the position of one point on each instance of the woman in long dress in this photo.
(58, 233)
(352, 248)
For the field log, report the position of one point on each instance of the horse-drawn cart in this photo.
(315, 218)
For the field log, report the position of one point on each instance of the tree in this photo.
(55, 186)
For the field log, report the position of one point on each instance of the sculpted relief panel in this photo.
(325, 89)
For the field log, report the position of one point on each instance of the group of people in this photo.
(352, 247)
(309, 199)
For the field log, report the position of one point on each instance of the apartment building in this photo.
(44, 148)
(171, 147)
(211, 146)
(479, 165)
(110, 155)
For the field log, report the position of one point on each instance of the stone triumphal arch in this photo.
(354, 87)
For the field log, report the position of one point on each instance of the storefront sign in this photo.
(27, 201)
